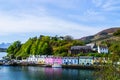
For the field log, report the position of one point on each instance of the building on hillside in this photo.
(93, 46)
(102, 49)
(80, 49)
(70, 60)
(86, 60)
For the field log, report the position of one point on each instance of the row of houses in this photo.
(83, 60)
(88, 48)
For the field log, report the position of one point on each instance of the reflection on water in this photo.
(41, 73)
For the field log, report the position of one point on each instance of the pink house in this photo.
(57, 60)
(53, 60)
(49, 60)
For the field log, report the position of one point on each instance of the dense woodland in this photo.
(43, 45)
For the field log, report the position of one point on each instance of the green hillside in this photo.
(59, 46)
(43, 45)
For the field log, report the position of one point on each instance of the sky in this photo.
(22, 19)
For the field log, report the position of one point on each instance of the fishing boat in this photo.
(56, 66)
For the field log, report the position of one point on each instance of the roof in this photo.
(80, 47)
(92, 45)
(69, 57)
(86, 57)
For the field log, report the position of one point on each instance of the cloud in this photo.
(40, 16)
(107, 5)
(64, 4)
(97, 2)
(90, 16)
(44, 24)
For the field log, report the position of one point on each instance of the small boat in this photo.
(56, 66)
(6, 64)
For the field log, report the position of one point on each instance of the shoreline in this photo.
(91, 67)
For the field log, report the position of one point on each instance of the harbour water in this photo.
(42, 73)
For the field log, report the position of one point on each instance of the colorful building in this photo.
(70, 60)
(41, 59)
(53, 60)
(86, 60)
(32, 59)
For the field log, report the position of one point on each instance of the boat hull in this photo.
(56, 66)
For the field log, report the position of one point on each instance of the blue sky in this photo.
(21, 19)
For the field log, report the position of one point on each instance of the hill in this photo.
(4, 45)
(43, 45)
(106, 34)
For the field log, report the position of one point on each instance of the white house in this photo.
(102, 49)
(86, 60)
(33, 58)
(70, 60)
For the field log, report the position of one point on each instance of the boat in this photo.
(6, 64)
(56, 66)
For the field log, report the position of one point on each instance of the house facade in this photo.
(53, 60)
(57, 60)
(49, 60)
(86, 60)
(102, 49)
(32, 59)
(41, 59)
(99, 60)
(70, 60)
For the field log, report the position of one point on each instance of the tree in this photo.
(25, 49)
(14, 48)
(44, 45)
(117, 33)
(46, 49)
(108, 72)
(68, 38)
(111, 71)
(78, 42)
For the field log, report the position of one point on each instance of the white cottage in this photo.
(102, 49)
(32, 59)
(86, 60)
(70, 60)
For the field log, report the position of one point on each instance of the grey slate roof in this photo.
(80, 47)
